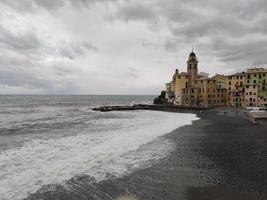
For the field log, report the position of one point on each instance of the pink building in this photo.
(252, 93)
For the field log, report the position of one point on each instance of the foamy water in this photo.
(106, 143)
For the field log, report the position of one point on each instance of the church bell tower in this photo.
(192, 69)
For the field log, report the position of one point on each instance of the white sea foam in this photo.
(116, 149)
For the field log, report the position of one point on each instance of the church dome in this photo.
(192, 54)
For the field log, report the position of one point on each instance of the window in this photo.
(229, 82)
(248, 76)
(247, 81)
(254, 81)
(229, 88)
(250, 93)
(254, 86)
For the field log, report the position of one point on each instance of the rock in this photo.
(161, 98)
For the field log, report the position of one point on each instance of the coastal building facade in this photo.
(193, 89)
(235, 85)
(256, 87)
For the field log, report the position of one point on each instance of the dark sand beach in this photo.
(217, 157)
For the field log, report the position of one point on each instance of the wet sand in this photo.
(217, 157)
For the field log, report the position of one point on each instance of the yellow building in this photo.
(196, 90)
(174, 88)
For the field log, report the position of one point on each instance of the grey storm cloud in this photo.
(229, 26)
(50, 5)
(234, 33)
(134, 10)
(19, 41)
(73, 49)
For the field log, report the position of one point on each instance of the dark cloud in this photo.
(50, 5)
(73, 49)
(29, 62)
(134, 10)
(90, 46)
(226, 26)
(232, 33)
(20, 41)
(170, 45)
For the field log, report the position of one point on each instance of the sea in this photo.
(48, 140)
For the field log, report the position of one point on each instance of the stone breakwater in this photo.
(145, 107)
(120, 108)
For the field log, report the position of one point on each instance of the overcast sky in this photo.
(123, 46)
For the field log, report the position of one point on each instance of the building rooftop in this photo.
(237, 74)
(256, 70)
(203, 74)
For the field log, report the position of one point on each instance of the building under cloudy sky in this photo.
(123, 46)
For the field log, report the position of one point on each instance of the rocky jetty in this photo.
(121, 108)
(158, 107)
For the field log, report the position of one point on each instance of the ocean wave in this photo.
(117, 148)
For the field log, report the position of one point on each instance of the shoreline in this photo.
(253, 117)
(216, 157)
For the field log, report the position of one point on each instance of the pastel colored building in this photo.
(235, 86)
(256, 87)
(193, 89)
